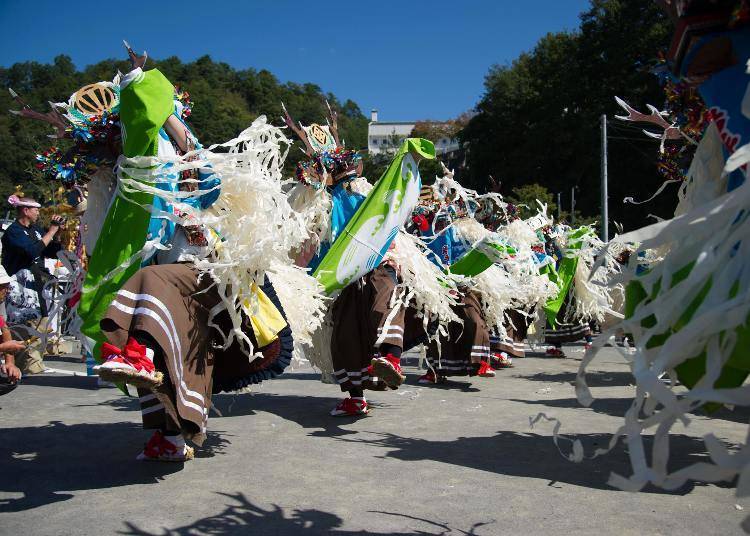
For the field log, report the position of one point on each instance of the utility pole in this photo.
(605, 195)
(559, 206)
(573, 206)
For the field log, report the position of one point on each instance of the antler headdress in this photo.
(328, 160)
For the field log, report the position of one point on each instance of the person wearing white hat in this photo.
(25, 245)
(8, 346)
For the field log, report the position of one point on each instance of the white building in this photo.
(384, 136)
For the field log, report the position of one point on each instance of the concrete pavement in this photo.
(453, 459)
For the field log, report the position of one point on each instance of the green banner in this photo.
(563, 276)
(366, 238)
(481, 256)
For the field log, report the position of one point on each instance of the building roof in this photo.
(386, 129)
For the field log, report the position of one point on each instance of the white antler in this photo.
(656, 117)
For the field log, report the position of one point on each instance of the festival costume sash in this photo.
(481, 256)
(369, 233)
(145, 104)
(563, 276)
(690, 372)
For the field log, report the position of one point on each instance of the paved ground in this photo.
(456, 459)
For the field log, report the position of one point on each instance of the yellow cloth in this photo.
(265, 318)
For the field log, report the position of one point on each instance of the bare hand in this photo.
(12, 347)
(12, 371)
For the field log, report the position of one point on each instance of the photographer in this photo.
(24, 243)
(24, 247)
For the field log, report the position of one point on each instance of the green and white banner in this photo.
(563, 276)
(368, 235)
(482, 255)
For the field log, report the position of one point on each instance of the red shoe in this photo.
(161, 449)
(389, 369)
(134, 364)
(351, 407)
(502, 360)
(428, 378)
(485, 370)
(555, 352)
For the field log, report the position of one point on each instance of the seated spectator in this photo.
(8, 346)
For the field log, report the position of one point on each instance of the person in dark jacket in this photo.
(24, 247)
(24, 242)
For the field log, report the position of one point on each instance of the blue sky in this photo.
(410, 60)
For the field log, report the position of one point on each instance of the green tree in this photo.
(525, 198)
(538, 120)
(226, 101)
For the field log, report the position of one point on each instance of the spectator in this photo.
(8, 346)
(24, 247)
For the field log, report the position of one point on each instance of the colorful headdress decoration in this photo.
(91, 118)
(328, 160)
(695, 19)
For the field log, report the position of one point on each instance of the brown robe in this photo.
(363, 319)
(467, 344)
(171, 306)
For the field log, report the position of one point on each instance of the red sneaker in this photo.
(555, 352)
(134, 364)
(485, 370)
(161, 449)
(388, 368)
(351, 407)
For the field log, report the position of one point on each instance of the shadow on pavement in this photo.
(45, 462)
(594, 379)
(535, 456)
(455, 383)
(62, 381)
(243, 517)
(306, 411)
(615, 407)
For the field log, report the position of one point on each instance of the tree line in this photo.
(539, 118)
(226, 101)
(537, 123)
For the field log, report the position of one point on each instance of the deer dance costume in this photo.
(368, 323)
(183, 311)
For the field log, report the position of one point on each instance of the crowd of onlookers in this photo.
(23, 306)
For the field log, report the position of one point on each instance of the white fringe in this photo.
(252, 216)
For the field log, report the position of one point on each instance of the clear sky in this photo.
(410, 60)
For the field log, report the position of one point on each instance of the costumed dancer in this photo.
(687, 287)
(506, 341)
(181, 297)
(564, 323)
(351, 251)
(464, 350)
